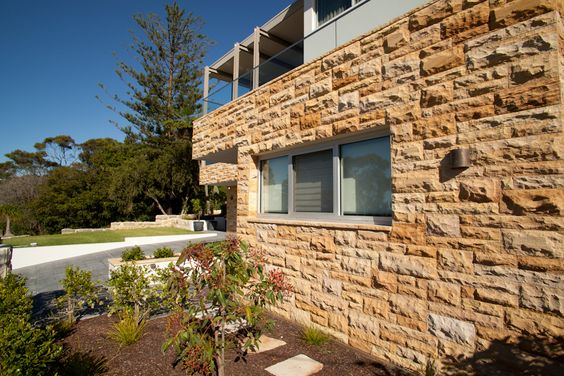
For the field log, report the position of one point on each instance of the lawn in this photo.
(93, 237)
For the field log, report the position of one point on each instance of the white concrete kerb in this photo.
(29, 256)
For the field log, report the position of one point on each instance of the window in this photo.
(313, 187)
(275, 185)
(346, 180)
(329, 9)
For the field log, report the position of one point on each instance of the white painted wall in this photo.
(359, 19)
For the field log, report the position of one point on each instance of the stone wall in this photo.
(218, 174)
(472, 256)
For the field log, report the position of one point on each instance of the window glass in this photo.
(366, 178)
(328, 9)
(313, 187)
(274, 197)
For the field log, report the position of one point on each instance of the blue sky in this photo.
(54, 53)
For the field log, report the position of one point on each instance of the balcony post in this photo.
(256, 57)
(206, 88)
(235, 86)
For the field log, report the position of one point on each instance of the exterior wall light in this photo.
(460, 158)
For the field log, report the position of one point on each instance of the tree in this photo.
(163, 94)
(162, 101)
(214, 286)
(61, 150)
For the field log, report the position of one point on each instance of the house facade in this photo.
(410, 180)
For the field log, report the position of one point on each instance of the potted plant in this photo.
(197, 210)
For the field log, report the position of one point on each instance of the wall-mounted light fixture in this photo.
(460, 158)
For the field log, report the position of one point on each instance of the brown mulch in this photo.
(145, 358)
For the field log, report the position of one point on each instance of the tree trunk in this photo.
(8, 232)
(158, 204)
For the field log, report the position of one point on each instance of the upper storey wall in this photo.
(453, 52)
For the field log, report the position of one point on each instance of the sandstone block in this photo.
(320, 88)
(458, 331)
(430, 15)
(465, 20)
(401, 66)
(363, 322)
(408, 307)
(348, 101)
(442, 61)
(534, 201)
(448, 293)
(542, 299)
(534, 243)
(456, 260)
(524, 97)
(518, 11)
(496, 296)
(406, 232)
(479, 190)
(443, 225)
(408, 265)
(488, 56)
(396, 40)
(435, 95)
(323, 244)
(376, 307)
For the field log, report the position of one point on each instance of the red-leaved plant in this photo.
(221, 291)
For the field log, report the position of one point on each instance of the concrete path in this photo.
(29, 256)
(45, 277)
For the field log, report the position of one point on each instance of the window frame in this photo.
(335, 216)
(354, 4)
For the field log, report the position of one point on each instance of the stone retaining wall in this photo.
(473, 256)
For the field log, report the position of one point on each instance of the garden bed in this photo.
(146, 359)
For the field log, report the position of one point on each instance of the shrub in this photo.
(80, 292)
(313, 336)
(133, 254)
(128, 329)
(222, 284)
(163, 252)
(131, 288)
(24, 349)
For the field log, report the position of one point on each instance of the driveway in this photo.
(46, 277)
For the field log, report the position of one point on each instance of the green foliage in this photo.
(313, 336)
(24, 349)
(132, 288)
(196, 207)
(15, 301)
(133, 254)
(128, 330)
(218, 284)
(163, 93)
(80, 292)
(163, 252)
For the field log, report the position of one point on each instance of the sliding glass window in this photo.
(366, 187)
(328, 9)
(348, 181)
(313, 186)
(274, 188)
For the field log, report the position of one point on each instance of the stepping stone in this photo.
(268, 343)
(299, 365)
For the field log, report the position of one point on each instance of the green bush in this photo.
(128, 329)
(132, 288)
(313, 336)
(24, 349)
(132, 254)
(163, 252)
(80, 292)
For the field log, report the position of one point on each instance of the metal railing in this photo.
(277, 65)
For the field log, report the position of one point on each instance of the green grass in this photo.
(315, 337)
(92, 237)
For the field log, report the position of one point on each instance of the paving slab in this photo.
(268, 343)
(299, 365)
